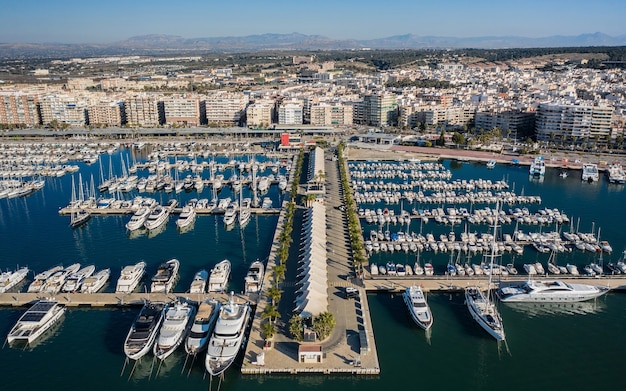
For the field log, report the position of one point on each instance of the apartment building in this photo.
(261, 113)
(144, 110)
(331, 114)
(226, 108)
(63, 108)
(18, 108)
(290, 113)
(380, 109)
(106, 114)
(560, 121)
(182, 111)
(516, 123)
(432, 115)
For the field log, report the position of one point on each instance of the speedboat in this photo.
(176, 325)
(484, 312)
(10, 279)
(187, 217)
(219, 276)
(202, 327)
(130, 276)
(254, 277)
(143, 332)
(139, 218)
(491, 163)
(157, 217)
(75, 280)
(163, 280)
(227, 337)
(198, 285)
(36, 320)
(40, 279)
(55, 282)
(418, 307)
(548, 291)
(94, 283)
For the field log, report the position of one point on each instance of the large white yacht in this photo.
(158, 216)
(94, 283)
(230, 214)
(75, 280)
(10, 279)
(40, 279)
(254, 277)
(616, 174)
(130, 277)
(484, 312)
(36, 320)
(244, 212)
(227, 337)
(418, 307)
(219, 276)
(139, 218)
(198, 285)
(590, 172)
(538, 167)
(163, 280)
(176, 325)
(202, 327)
(187, 217)
(534, 291)
(143, 332)
(55, 282)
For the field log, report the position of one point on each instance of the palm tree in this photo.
(274, 293)
(323, 324)
(268, 330)
(270, 312)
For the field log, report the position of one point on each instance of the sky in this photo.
(94, 21)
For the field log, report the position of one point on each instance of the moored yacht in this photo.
(227, 337)
(533, 291)
(130, 277)
(40, 279)
(254, 277)
(176, 325)
(230, 214)
(484, 312)
(202, 327)
(219, 276)
(144, 329)
(616, 173)
(157, 217)
(187, 217)
(36, 320)
(590, 172)
(538, 167)
(55, 282)
(163, 280)
(198, 285)
(10, 279)
(139, 218)
(94, 283)
(418, 307)
(75, 280)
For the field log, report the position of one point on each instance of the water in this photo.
(548, 347)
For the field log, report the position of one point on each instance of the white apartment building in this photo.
(261, 113)
(558, 121)
(225, 107)
(63, 108)
(182, 111)
(18, 108)
(331, 114)
(143, 110)
(290, 113)
(106, 113)
(432, 115)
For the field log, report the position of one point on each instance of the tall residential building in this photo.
(331, 114)
(182, 111)
(518, 124)
(573, 120)
(261, 113)
(143, 110)
(18, 108)
(380, 109)
(63, 108)
(226, 108)
(290, 113)
(106, 114)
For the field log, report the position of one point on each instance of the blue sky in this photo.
(94, 21)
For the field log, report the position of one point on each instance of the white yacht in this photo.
(163, 280)
(491, 163)
(533, 291)
(10, 279)
(202, 327)
(418, 307)
(244, 212)
(75, 280)
(227, 337)
(40, 279)
(616, 173)
(590, 172)
(130, 277)
(176, 325)
(143, 332)
(219, 276)
(198, 285)
(230, 214)
(538, 167)
(36, 320)
(484, 312)
(55, 282)
(157, 217)
(139, 218)
(254, 277)
(94, 283)
(187, 217)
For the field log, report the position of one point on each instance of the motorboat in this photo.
(244, 212)
(40, 279)
(176, 325)
(198, 285)
(616, 173)
(10, 279)
(144, 329)
(157, 217)
(227, 337)
(75, 280)
(418, 307)
(94, 283)
(590, 172)
(538, 167)
(484, 312)
(187, 217)
(163, 280)
(429, 270)
(219, 276)
(202, 327)
(138, 218)
(35, 321)
(79, 217)
(548, 291)
(130, 277)
(230, 214)
(55, 282)
(254, 277)
(491, 163)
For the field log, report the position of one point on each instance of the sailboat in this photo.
(481, 305)
(80, 216)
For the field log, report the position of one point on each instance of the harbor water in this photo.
(567, 346)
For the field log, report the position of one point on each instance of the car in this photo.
(342, 208)
(351, 292)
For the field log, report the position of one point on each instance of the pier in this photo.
(128, 211)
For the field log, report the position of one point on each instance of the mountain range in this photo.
(159, 43)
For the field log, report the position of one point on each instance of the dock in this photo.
(176, 211)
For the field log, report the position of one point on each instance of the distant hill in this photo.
(159, 43)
